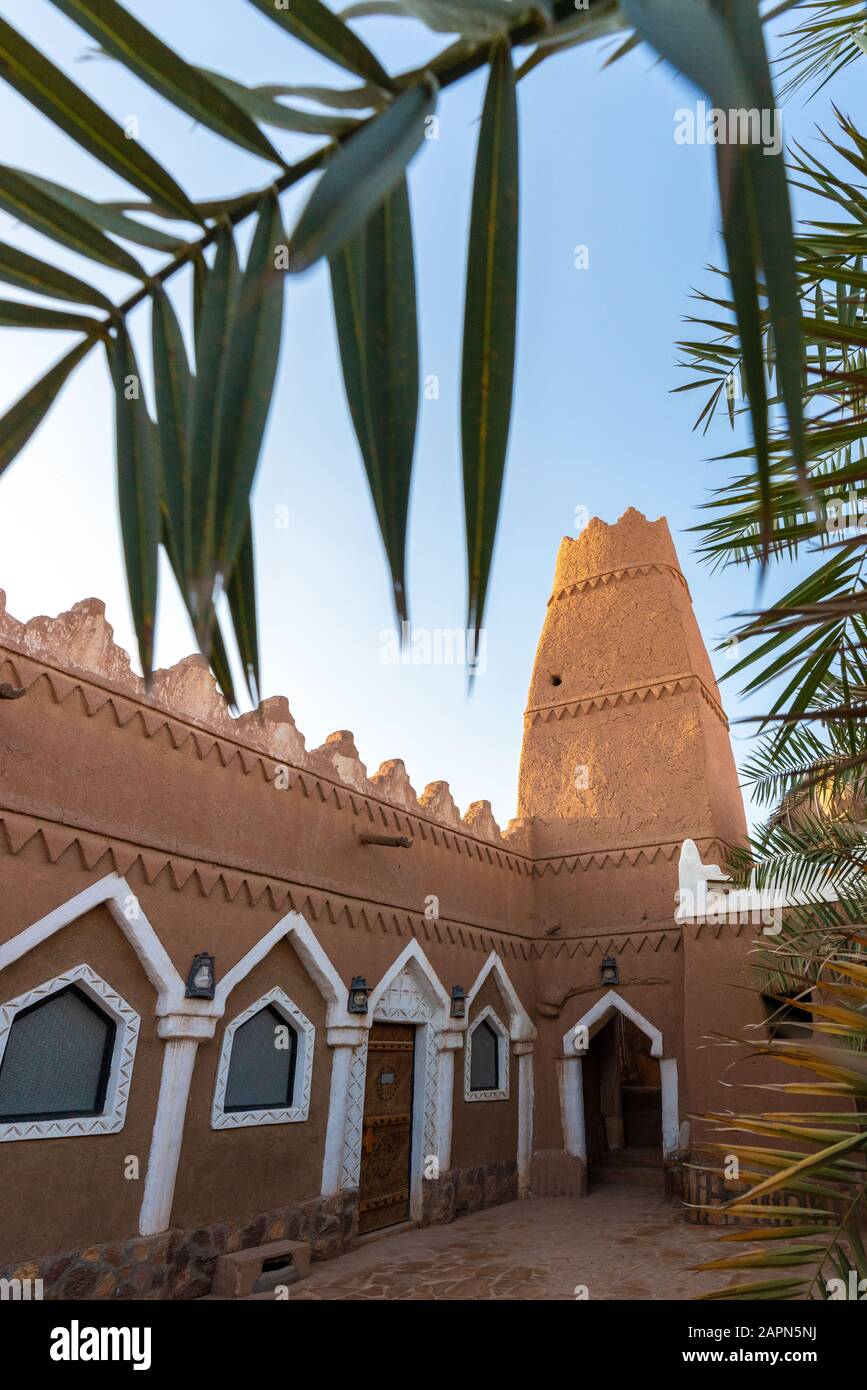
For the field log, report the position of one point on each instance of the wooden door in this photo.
(386, 1142)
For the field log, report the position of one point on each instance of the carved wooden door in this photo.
(387, 1130)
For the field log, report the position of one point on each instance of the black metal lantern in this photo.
(459, 1002)
(608, 972)
(358, 993)
(202, 979)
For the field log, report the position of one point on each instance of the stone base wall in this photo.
(706, 1194)
(461, 1191)
(180, 1264)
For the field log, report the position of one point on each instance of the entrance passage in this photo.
(623, 1105)
(386, 1143)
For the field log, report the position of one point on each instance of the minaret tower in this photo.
(626, 747)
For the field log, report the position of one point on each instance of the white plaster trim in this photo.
(702, 895)
(300, 1107)
(670, 1125)
(502, 1091)
(297, 931)
(410, 992)
(521, 1027)
(113, 892)
(599, 1015)
(412, 954)
(179, 1059)
(525, 1120)
(120, 1074)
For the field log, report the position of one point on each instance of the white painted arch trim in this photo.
(306, 1036)
(502, 1091)
(126, 1022)
(115, 894)
(413, 957)
(571, 1074)
(599, 1015)
(521, 1027)
(410, 991)
(522, 1033)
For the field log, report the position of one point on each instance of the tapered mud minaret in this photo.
(626, 748)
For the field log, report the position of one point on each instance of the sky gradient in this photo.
(594, 426)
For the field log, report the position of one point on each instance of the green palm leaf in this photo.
(373, 286)
(361, 176)
(64, 103)
(22, 197)
(22, 420)
(138, 487)
(489, 324)
(29, 273)
(186, 87)
(314, 24)
(248, 380)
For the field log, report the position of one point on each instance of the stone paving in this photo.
(621, 1242)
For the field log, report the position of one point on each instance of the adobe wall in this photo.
(222, 827)
(484, 1131)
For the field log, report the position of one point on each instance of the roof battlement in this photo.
(80, 641)
(603, 548)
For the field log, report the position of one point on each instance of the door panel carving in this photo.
(386, 1142)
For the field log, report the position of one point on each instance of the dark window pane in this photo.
(484, 1058)
(262, 1066)
(57, 1059)
(788, 1021)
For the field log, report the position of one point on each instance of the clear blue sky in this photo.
(594, 423)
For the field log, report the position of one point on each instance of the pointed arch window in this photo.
(266, 1066)
(66, 1055)
(486, 1068)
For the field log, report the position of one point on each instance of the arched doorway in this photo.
(618, 1093)
(622, 1104)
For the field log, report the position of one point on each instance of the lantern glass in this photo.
(608, 972)
(202, 979)
(358, 993)
(459, 1002)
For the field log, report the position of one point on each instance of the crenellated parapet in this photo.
(81, 641)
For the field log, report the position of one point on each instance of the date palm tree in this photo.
(186, 460)
(807, 652)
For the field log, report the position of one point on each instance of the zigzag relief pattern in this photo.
(54, 841)
(601, 859)
(613, 576)
(95, 699)
(354, 1117)
(610, 945)
(570, 709)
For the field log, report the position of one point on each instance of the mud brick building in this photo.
(250, 991)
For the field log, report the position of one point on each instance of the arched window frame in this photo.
(221, 1118)
(488, 1015)
(127, 1023)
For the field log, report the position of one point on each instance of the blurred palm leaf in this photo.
(188, 88)
(198, 456)
(373, 286)
(489, 325)
(64, 103)
(826, 1166)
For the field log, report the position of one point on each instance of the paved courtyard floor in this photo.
(620, 1242)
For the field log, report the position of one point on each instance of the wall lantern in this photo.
(608, 972)
(202, 979)
(459, 1002)
(358, 993)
